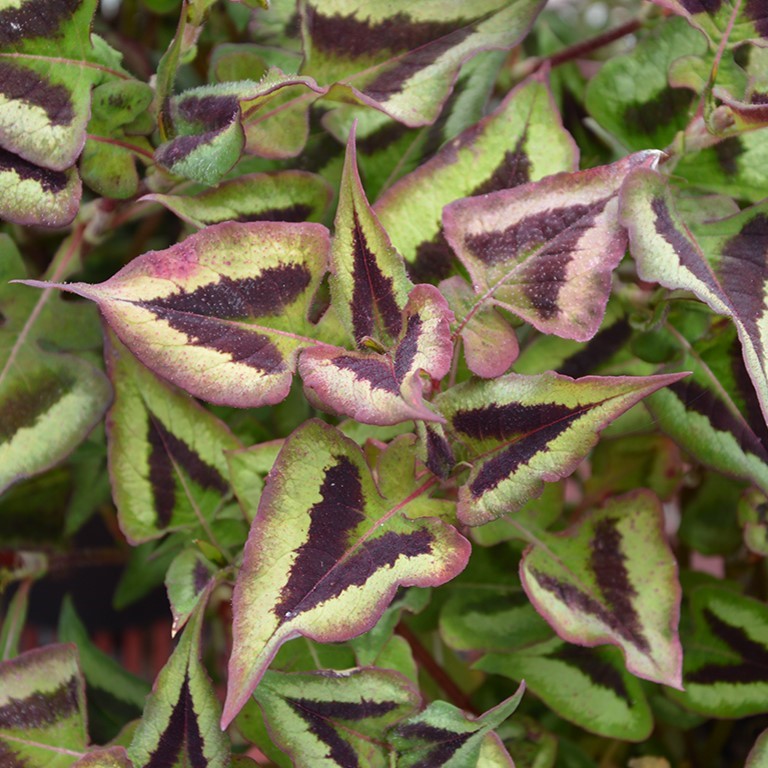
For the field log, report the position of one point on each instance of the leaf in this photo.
(752, 508)
(403, 58)
(522, 140)
(719, 261)
(725, 660)
(631, 95)
(385, 388)
(49, 401)
(443, 735)
(369, 285)
(593, 689)
(106, 757)
(758, 755)
(546, 250)
(737, 20)
(186, 312)
(247, 469)
(325, 555)
(613, 578)
(188, 579)
(42, 709)
(278, 196)
(520, 431)
(179, 727)
(166, 452)
(325, 719)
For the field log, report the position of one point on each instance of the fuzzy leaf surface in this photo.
(443, 735)
(42, 709)
(166, 452)
(613, 578)
(385, 388)
(326, 554)
(335, 719)
(722, 262)
(546, 250)
(522, 140)
(520, 431)
(216, 314)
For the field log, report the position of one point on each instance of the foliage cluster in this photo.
(434, 367)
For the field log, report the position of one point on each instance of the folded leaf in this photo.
(520, 431)
(546, 250)
(740, 20)
(522, 140)
(187, 581)
(335, 719)
(188, 312)
(721, 262)
(385, 388)
(443, 735)
(325, 555)
(613, 578)
(42, 709)
(166, 452)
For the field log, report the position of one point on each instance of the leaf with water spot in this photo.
(518, 432)
(335, 719)
(42, 709)
(326, 554)
(612, 578)
(546, 250)
(442, 735)
(522, 140)
(385, 388)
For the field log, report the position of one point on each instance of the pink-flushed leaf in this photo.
(521, 431)
(722, 262)
(218, 313)
(326, 554)
(612, 578)
(522, 140)
(490, 343)
(385, 388)
(369, 285)
(546, 250)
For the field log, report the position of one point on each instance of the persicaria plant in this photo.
(433, 389)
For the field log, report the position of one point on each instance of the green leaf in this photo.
(107, 757)
(49, 401)
(325, 555)
(723, 673)
(335, 719)
(403, 58)
(752, 509)
(443, 735)
(739, 20)
(188, 579)
(42, 709)
(166, 452)
(179, 727)
(14, 618)
(522, 140)
(758, 755)
(546, 250)
(592, 690)
(631, 96)
(612, 578)
(520, 431)
(278, 196)
(187, 312)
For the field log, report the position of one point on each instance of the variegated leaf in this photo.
(546, 250)
(106, 757)
(42, 709)
(522, 140)
(325, 555)
(217, 314)
(188, 578)
(591, 687)
(166, 452)
(737, 20)
(335, 719)
(278, 196)
(369, 285)
(520, 431)
(443, 735)
(722, 262)
(613, 578)
(403, 58)
(725, 660)
(385, 388)
(179, 727)
(247, 470)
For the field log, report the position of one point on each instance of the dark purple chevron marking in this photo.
(500, 422)
(22, 408)
(407, 348)
(49, 181)
(35, 18)
(19, 83)
(378, 374)
(599, 671)
(41, 709)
